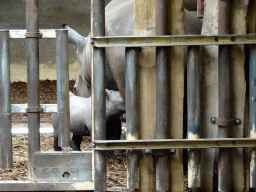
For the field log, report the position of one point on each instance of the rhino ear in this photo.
(64, 26)
(73, 36)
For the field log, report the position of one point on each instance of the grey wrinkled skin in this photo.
(119, 22)
(81, 118)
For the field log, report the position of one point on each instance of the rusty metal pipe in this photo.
(5, 101)
(224, 89)
(252, 85)
(33, 81)
(194, 129)
(132, 112)
(162, 97)
(99, 99)
(62, 87)
(200, 8)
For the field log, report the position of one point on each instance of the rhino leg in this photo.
(75, 142)
(55, 143)
(54, 118)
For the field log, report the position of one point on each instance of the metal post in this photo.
(33, 81)
(132, 120)
(99, 99)
(224, 171)
(194, 129)
(162, 98)
(5, 101)
(252, 84)
(200, 8)
(62, 87)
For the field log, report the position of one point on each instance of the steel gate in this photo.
(42, 173)
(48, 171)
(162, 143)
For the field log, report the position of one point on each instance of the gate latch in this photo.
(226, 122)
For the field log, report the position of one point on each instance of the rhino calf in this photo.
(81, 118)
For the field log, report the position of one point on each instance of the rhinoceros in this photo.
(81, 118)
(119, 22)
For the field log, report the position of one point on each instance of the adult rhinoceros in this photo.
(119, 22)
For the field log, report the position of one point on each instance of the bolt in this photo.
(233, 142)
(148, 151)
(233, 39)
(213, 120)
(238, 121)
(253, 99)
(93, 145)
(217, 142)
(172, 151)
(92, 42)
(216, 39)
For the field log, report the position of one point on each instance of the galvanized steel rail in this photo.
(224, 97)
(173, 40)
(5, 101)
(175, 143)
(162, 97)
(194, 125)
(33, 107)
(98, 94)
(132, 112)
(252, 101)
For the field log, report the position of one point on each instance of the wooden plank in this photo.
(144, 26)
(176, 27)
(209, 93)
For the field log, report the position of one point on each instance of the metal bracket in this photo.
(226, 122)
(34, 110)
(33, 35)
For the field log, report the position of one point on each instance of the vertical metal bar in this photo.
(194, 129)
(99, 99)
(5, 101)
(62, 87)
(162, 98)
(33, 81)
(224, 171)
(252, 84)
(200, 8)
(132, 120)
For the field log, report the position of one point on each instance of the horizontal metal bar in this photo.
(174, 143)
(21, 34)
(26, 120)
(46, 108)
(50, 186)
(63, 166)
(45, 186)
(173, 40)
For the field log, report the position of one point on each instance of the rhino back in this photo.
(120, 22)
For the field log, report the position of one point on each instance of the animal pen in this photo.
(220, 140)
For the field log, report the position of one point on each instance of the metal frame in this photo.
(174, 143)
(34, 108)
(194, 144)
(173, 40)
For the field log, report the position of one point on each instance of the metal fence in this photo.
(58, 165)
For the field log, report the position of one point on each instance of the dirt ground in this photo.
(116, 169)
